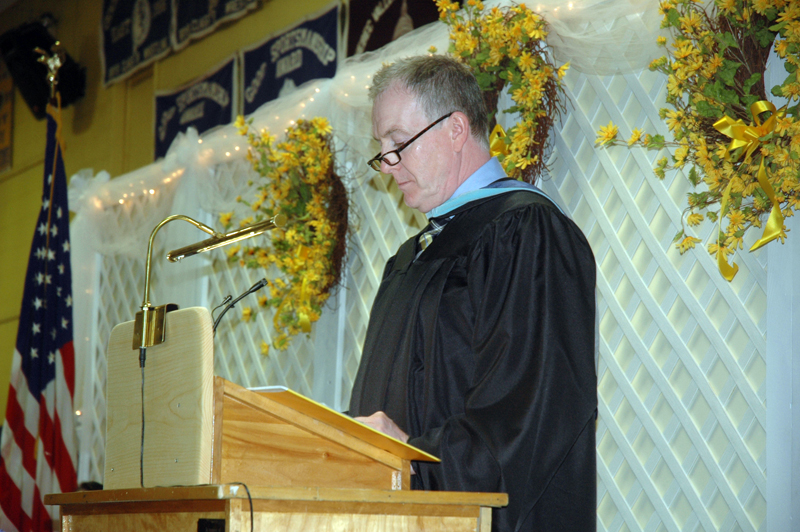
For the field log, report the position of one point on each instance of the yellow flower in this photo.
(225, 218)
(607, 134)
(247, 313)
(636, 134)
(687, 243)
(694, 219)
(233, 250)
(241, 125)
(525, 61)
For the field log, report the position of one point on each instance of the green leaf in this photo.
(749, 100)
(776, 91)
(485, 80)
(765, 37)
(726, 40)
(673, 17)
(712, 215)
(752, 80)
(656, 142)
(678, 236)
(694, 178)
(727, 72)
(707, 110)
(779, 26)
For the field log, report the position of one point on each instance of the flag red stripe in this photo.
(15, 418)
(64, 468)
(68, 363)
(41, 521)
(11, 500)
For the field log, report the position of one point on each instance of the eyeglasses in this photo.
(393, 157)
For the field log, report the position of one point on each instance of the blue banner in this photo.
(204, 103)
(282, 63)
(195, 18)
(135, 33)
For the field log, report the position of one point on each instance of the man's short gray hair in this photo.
(441, 85)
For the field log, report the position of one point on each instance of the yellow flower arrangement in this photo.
(742, 154)
(298, 182)
(505, 49)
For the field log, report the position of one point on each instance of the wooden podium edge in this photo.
(235, 491)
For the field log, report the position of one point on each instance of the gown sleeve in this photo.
(518, 314)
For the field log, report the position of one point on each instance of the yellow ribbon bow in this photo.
(497, 142)
(748, 138)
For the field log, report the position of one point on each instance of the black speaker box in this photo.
(30, 76)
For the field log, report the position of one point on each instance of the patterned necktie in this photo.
(431, 231)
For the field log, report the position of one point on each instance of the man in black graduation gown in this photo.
(480, 346)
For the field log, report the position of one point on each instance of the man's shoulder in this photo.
(508, 203)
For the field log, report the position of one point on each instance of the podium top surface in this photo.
(237, 491)
(319, 411)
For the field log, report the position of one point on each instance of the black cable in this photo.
(258, 286)
(224, 301)
(249, 499)
(142, 356)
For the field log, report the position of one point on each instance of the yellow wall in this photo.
(109, 129)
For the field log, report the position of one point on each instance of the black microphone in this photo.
(256, 287)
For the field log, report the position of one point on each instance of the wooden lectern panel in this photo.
(261, 449)
(179, 403)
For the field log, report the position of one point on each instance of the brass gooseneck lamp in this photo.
(149, 323)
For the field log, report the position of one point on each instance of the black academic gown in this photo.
(482, 350)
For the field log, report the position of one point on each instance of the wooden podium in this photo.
(307, 467)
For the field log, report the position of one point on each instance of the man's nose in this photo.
(387, 168)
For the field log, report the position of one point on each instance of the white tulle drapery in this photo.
(603, 37)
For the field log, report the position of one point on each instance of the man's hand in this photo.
(382, 423)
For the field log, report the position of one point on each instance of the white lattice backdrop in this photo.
(680, 437)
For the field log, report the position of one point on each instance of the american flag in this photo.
(37, 449)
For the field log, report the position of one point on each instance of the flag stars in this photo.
(68, 301)
(58, 291)
(61, 269)
(40, 253)
(51, 255)
(34, 352)
(37, 303)
(58, 212)
(54, 230)
(36, 328)
(42, 228)
(48, 279)
(53, 333)
(51, 358)
(45, 204)
(66, 245)
(39, 278)
(64, 323)
(49, 178)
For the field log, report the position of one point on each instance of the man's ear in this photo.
(459, 130)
